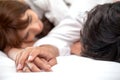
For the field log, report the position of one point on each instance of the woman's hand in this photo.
(43, 57)
(32, 67)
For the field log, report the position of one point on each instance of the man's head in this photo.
(101, 33)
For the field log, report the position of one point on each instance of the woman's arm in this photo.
(63, 35)
(68, 30)
(44, 57)
(20, 56)
(41, 61)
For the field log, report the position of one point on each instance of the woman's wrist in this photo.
(12, 53)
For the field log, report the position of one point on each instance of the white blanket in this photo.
(68, 68)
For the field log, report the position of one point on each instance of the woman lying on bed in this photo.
(19, 26)
(102, 46)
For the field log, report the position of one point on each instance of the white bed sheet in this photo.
(68, 68)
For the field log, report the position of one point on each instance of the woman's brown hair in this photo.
(11, 22)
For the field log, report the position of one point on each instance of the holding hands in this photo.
(35, 59)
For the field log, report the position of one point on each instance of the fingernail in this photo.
(49, 66)
(30, 58)
(19, 66)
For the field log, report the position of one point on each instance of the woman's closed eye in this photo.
(26, 36)
(30, 19)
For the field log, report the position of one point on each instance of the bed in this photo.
(68, 68)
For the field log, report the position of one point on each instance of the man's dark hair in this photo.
(100, 36)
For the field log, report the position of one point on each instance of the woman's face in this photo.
(35, 26)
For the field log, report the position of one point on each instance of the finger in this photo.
(33, 67)
(39, 51)
(26, 69)
(42, 64)
(17, 57)
(16, 61)
(34, 54)
(53, 61)
(45, 61)
(23, 57)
